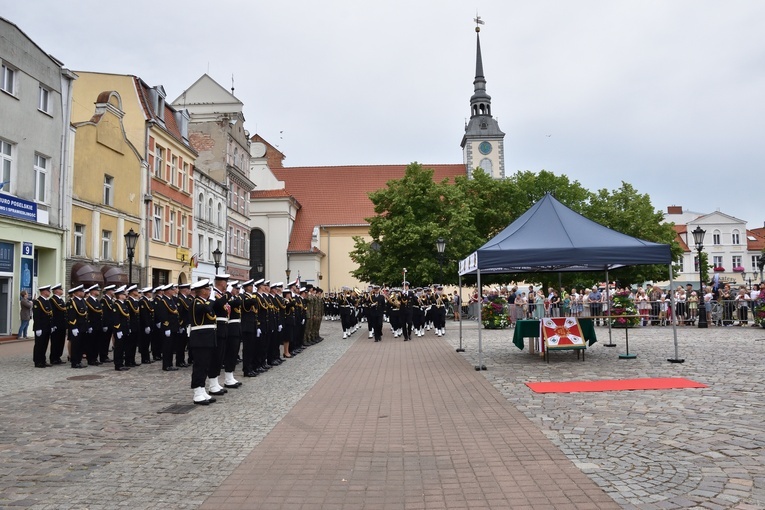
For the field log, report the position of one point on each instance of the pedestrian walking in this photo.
(25, 314)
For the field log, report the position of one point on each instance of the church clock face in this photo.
(484, 148)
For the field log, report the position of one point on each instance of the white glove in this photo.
(38, 332)
(105, 329)
(167, 333)
(147, 330)
(158, 325)
(53, 329)
(119, 335)
(90, 330)
(75, 331)
(302, 322)
(259, 332)
(181, 330)
(280, 327)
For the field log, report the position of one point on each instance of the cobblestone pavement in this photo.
(689, 448)
(101, 443)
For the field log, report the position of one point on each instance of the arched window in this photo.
(257, 253)
(210, 216)
(486, 165)
(201, 207)
(220, 214)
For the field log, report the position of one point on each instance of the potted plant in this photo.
(624, 314)
(494, 314)
(719, 269)
(738, 269)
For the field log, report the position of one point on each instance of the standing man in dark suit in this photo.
(202, 340)
(42, 315)
(58, 326)
(77, 322)
(120, 325)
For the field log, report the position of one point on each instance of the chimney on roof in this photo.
(675, 209)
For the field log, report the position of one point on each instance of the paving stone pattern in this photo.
(689, 448)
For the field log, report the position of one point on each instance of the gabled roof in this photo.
(339, 195)
(206, 91)
(679, 230)
(551, 237)
(759, 239)
(170, 126)
(269, 193)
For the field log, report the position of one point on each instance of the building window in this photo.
(681, 265)
(157, 230)
(172, 228)
(235, 197)
(735, 237)
(201, 207)
(716, 238)
(210, 249)
(717, 261)
(43, 103)
(182, 233)
(41, 174)
(201, 246)
(230, 237)
(159, 277)
(183, 172)
(108, 190)
(755, 260)
(487, 165)
(106, 245)
(241, 202)
(695, 263)
(210, 210)
(79, 240)
(174, 171)
(159, 157)
(736, 261)
(6, 164)
(220, 214)
(8, 79)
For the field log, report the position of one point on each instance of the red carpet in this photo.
(661, 383)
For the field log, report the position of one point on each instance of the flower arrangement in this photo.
(719, 269)
(623, 306)
(494, 313)
(738, 269)
(759, 312)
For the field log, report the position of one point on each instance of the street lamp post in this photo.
(216, 258)
(441, 246)
(131, 238)
(288, 273)
(698, 239)
(259, 269)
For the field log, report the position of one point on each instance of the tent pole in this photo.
(480, 365)
(459, 310)
(608, 303)
(677, 358)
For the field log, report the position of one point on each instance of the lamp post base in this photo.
(675, 360)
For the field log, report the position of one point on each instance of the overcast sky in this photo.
(666, 95)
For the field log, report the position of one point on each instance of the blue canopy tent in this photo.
(550, 237)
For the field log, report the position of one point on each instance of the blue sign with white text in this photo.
(18, 208)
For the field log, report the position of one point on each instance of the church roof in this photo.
(339, 195)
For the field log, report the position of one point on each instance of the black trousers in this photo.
(104, 340)
(376, 320)
(219, 353)
(90, 345)
(406, 322)
(248, 351)
(75, 341)
(57, 341)
(41, 346)
(144, 342)
(232, 352)
(181, 341)
(119, 349)
(168, 347)
(203, 363)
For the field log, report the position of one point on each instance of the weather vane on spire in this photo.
(478, 22)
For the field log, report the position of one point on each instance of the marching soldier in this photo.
(156, 331)
(184, 301)
(375, 312)
(265, 326)
(58, 325)
(249, 328)
(233, 337)
(221, 307)
(202, 340)
(131, 337)
(42, 315)
(146, 325)
(95, 318)
(77, 323)
(166, 314)
(120, 325)
(107, 326)
(439, 311)
(407, 301)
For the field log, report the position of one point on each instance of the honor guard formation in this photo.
(408, 311)
(212, 326)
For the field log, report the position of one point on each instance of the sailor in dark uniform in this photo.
(233, 336)
(169, 325)
(58, 326)
(77, 323)
(120, 325)
(107, 331)
(219, 298)
(184, 301)
(95, 318)
(42, 315)
(131, 340)
(375, 312)
(202, 339)
(147, 324)
(249, 328)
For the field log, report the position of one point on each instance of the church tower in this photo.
(483, 143)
